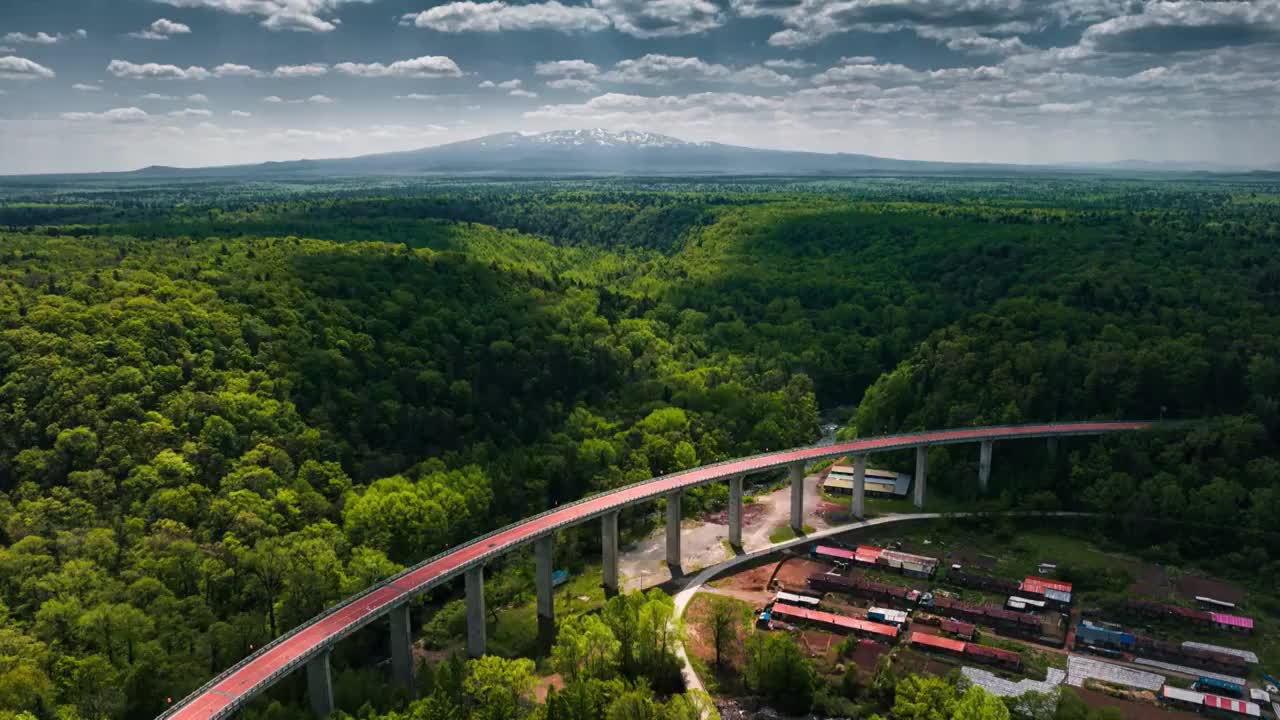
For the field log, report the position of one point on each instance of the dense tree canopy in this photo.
(224, 407)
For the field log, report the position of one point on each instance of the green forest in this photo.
(225, 406)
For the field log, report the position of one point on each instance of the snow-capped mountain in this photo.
(605, 138)
(590, 152)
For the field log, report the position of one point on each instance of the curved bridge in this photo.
(309, 644)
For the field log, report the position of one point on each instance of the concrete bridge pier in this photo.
(1053, 449)
(320, 685)
(735, 511)
(857, 501)
(544, 560)
(401, 646)
(609, 551)
(922, 473)
(673, 532)
(797, 497)
(475, 612)
(984, 465)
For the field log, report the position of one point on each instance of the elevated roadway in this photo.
(309, 644)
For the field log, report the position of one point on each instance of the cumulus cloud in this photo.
(574, 84)
(487, 84)
(273, 99)
(497, 16)
(415, 96)
(309, 70)
(198, 98)
(1066, 108)
(967, 25)
(522, 93)
(235, 70)
(126, 69)
(158, 96)
(510, 84)
(661, 18)
(787, 64)
(321, 100)
(657, 69)
(639, 18)
(13, 67)
(241, 114)
(161, 29)
(567, 68)
(42, 38)
(84, 87)
(114, 115)
(1189, 25)
(427, 66)
(294, 15)
(191, 112)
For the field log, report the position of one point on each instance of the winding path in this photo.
(240, 683)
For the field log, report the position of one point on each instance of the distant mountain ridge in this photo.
(598, 152)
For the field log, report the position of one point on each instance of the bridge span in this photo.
(310, 643)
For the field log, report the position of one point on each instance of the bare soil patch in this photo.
(821, 646)
(750, 513)
(1131, 709)
(753, 579)
(867, 655)
(1149, 580)
(1189, 586)
(793, 573)
(909, 661)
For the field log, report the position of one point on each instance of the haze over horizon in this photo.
(90, 86)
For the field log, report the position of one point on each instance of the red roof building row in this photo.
(938, 641)
(981, 653)
(838, 622)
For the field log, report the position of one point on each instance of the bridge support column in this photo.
(922, 473)
(797, 497)
(1053, 449)
(735, 511)
(858, 496)
(984, 465)
(320, 685)
(673, 530)
(475, 612)
(401, 646)
(544, 559)
(609, 551)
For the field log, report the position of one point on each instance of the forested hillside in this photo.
(223, 408)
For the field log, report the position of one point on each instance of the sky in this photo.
(122, 84)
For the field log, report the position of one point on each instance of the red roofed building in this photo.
(993, 655)
(1055, 591)
(1236, 706)
(959, 629)
(937, 642)
(832, 621)
(826, 551)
